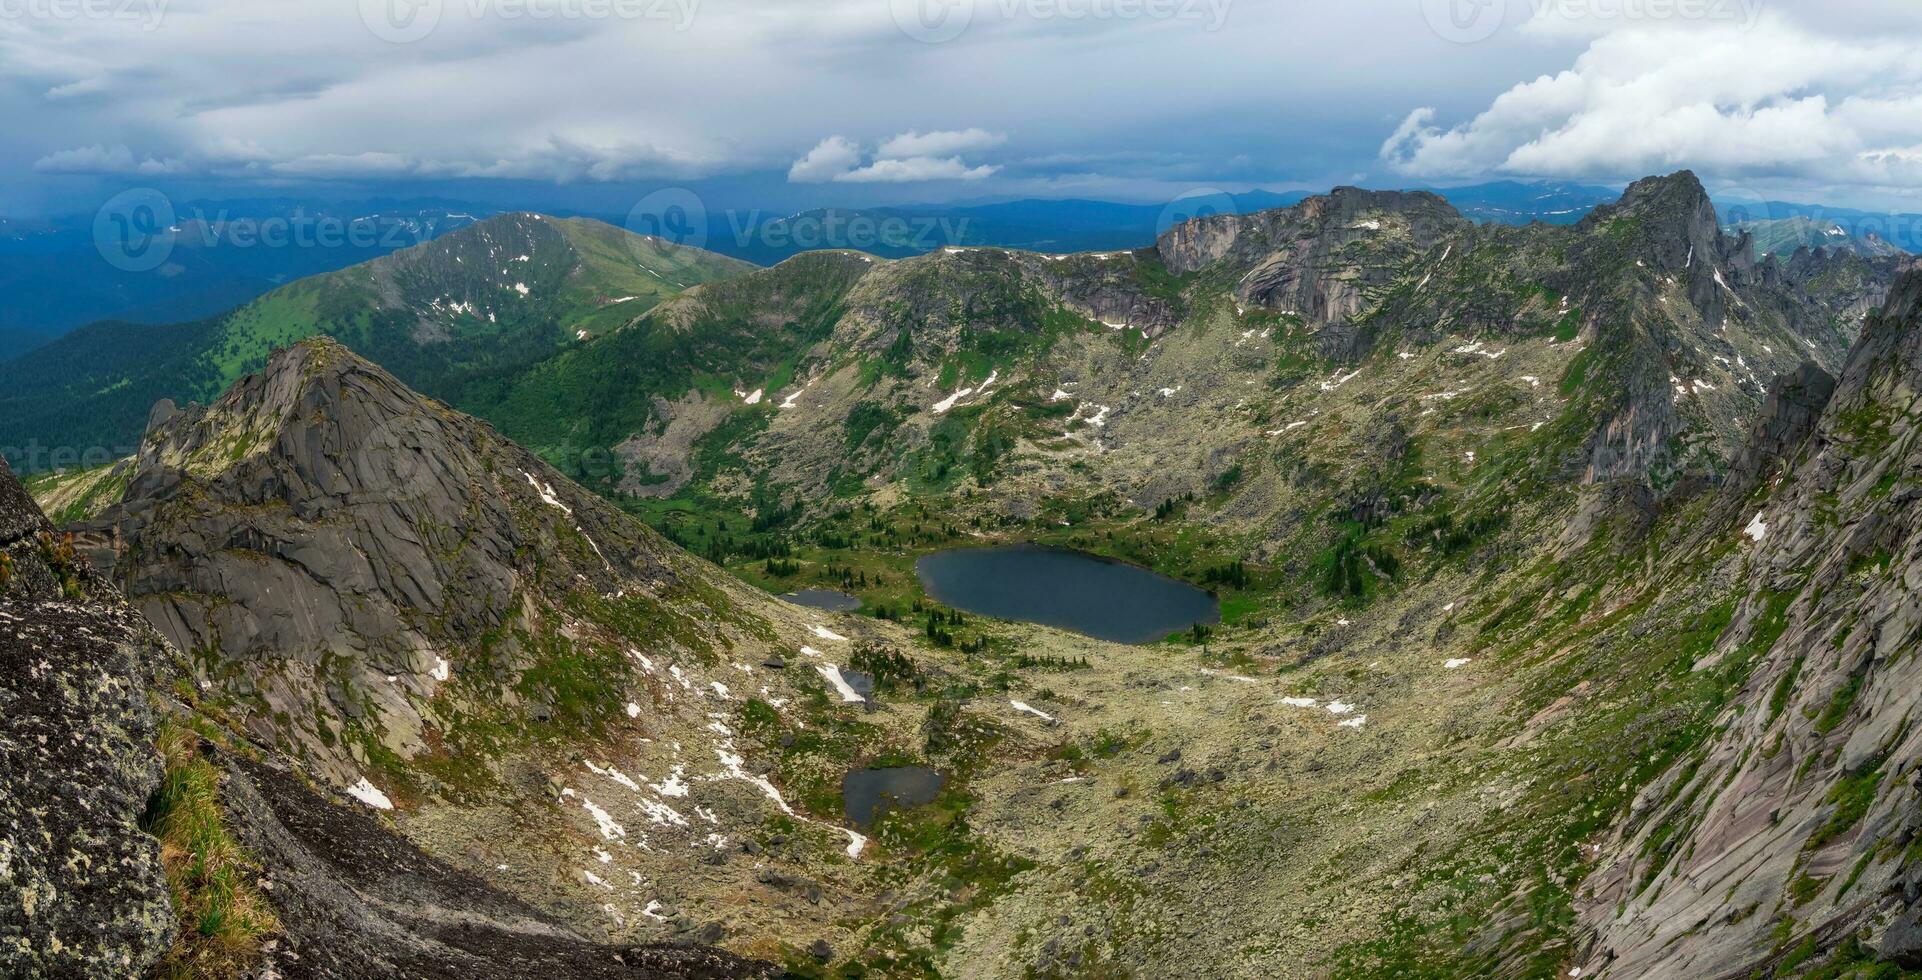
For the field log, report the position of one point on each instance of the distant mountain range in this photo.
(53, 277)
(1780, 226)
(1073, 225)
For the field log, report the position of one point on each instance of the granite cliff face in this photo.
(81, 888)
(1794, 830)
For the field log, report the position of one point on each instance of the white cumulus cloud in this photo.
(1774, 100)
(829, 159)
(940, 143)
(915, 168)
(905, 158)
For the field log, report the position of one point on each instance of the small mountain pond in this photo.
(1095, 596)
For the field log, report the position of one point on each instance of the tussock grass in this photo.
(224, 918)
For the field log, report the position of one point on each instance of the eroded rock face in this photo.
(660, 459)
(1322, 258)
(1797, 821)
(1789, 414)
(81, 888)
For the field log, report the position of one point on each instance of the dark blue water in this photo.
(827, 599)
(866, 793)
(1105, 599)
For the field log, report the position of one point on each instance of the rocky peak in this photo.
(1351, 203)
(333, 538)
(1887, 360)
(1669, 222)
(1334, 219)
(82, 887)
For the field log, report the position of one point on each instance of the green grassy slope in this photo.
(495, 297)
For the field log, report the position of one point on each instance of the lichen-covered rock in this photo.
(81, 888)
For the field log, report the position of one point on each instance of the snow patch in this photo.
(1027, 708)
(546, 490)
(731, 762)
(610, 828)
(949, 402)
(1339, 380)
(674, 785)
(370, 794)
(833, 676)
(1757, 528)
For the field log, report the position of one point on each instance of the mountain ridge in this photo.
(447, 313)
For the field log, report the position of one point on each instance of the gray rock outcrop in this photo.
(324, 543)
(81, 887)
